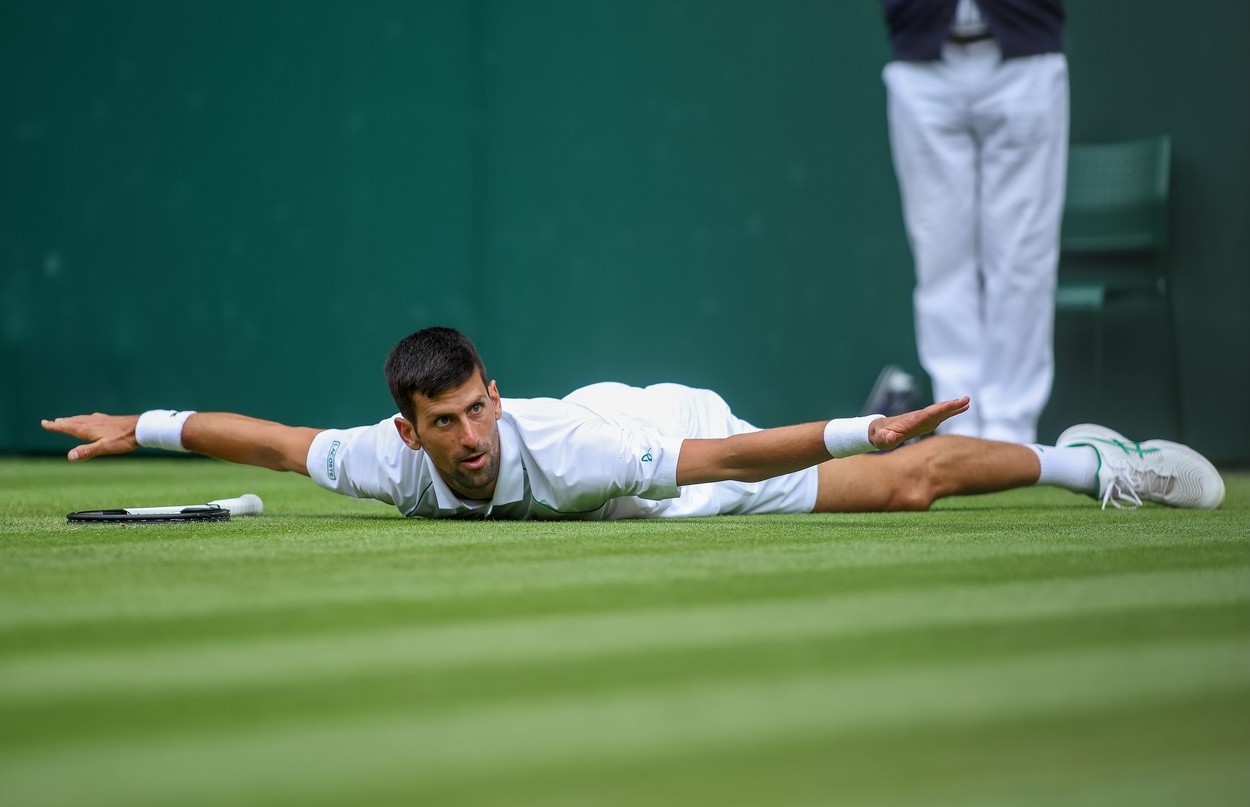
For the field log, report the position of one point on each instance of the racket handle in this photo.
(249, 504)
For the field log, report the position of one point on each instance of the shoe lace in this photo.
(1125, 488)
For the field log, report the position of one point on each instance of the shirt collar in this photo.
(510, 486)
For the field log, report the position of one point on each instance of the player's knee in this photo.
(914, 498)
(916, 479)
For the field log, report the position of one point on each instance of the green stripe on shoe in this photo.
(1127, 448)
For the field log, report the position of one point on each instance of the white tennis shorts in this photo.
(680, 411)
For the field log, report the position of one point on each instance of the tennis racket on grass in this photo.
(249, 504)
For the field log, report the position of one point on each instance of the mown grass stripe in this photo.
(171, 585)
(643, 723)
(254, 660)
(392, 690)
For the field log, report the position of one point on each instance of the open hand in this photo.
(105, 434)
(886, 433)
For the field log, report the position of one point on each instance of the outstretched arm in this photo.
(226, 436)
(772, 452)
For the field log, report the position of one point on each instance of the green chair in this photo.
(1114, 243)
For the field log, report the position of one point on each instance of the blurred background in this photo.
(242, 206)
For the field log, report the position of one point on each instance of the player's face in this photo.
(459, 430)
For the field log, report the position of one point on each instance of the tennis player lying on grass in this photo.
(458, 450)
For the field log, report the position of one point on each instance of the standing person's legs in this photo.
(935, 158)
(1022, 120)
(915, 476)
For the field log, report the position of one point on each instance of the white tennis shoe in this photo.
(1156, 470)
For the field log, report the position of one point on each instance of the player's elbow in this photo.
(739, 465)
(722, 460)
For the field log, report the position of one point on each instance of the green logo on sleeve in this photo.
(334, 449)
(646, 457)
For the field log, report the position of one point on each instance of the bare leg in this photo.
(915, 476)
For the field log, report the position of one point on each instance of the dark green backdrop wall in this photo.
(241, 205)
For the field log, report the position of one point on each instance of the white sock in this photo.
(1074, 468)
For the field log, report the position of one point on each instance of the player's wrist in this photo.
(846, 437)
(161, 428)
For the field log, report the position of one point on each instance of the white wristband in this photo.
(846, 437)
(161, 428)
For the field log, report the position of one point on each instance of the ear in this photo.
(407, 433)
(493, 392)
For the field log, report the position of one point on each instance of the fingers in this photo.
(66, 426)
(73, 427)
(60, 425)
(949, 409)
(887, 440)
(890, 432)
(100, 448)
(955, 406)
(944, 410)
(85, 452)
(78, 425)
(104, 434)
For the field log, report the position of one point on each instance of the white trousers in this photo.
(980, 147)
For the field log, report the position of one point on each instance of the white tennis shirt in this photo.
(607, 451)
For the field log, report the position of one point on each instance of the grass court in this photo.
(1023, 648)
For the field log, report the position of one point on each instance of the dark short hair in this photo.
(430, 361)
